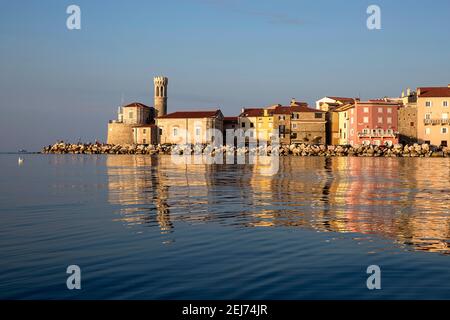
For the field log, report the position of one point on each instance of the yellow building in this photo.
(433, 110)
(344, 123)
(193, 127)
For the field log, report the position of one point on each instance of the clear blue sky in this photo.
(61, 84)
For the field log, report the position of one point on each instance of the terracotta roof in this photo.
(343, 99)
(305, 109)
(252, 112)
(135, 104)
(282, 110)
(191, 114)
(431, 92)
(230, 119)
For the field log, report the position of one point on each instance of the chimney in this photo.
(403, 94)
(418, 91)
(448, 86)
(242, 110)
(265, 112)
(293, 100)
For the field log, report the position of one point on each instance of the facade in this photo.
(307, 125)
(145, 134)
(433, 109)
(248, 118)
(329, 105)
(232, 124)
(160, 95)
(296, 123)
(407, 118)
(184, 127)
(373, 122)
(121, 131)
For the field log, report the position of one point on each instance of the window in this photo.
(365, 131)
(144, 131)
(380, 110)
(444, 130)
(445, 103)
(444, 143)
(428, 116)
(243, 124)
(411, 124)
(175, 132)
(345, 125)
(389, 110)
(144, 141)
(197, 131)
(366, 120)
(294, 126)
(380, 119)
(389, 131)
(366, 110)
(428, 103)
(252, 125)
(427, 131)
(427, 142)
(380, 131)
(260, 119)
(389, 120)
(130, 114)
(318, 115)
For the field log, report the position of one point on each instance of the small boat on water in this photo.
(20, 161)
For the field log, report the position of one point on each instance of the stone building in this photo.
(433, 109)
(307, 125)
(193, 127)
(135, 123)
(407, 118)
(160, 95)
(129, 117)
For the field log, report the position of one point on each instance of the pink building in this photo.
(372, 122)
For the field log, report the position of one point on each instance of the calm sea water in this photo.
(141, 227)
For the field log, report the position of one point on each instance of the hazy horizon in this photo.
(66, 84)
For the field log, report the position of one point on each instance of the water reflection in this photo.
(406, 200)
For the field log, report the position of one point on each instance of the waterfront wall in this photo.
(304, 150)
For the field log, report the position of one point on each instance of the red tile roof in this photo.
(135, 104)
(305, 109)
(252, 112)
(230, 119)
(432, 92)
(345, 100)
(191, 114)
(282, 110)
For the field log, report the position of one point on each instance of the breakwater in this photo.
(397, 150)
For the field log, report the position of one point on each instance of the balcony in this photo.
(436, 121)
(377, 135)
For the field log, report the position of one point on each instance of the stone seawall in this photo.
(304, 150)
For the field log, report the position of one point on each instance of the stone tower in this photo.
(160, 95)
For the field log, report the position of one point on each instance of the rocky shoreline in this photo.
(398, 150)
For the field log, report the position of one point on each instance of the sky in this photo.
(61, 84)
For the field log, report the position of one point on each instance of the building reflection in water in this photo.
(405, 200)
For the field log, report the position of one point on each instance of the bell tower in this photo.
(160, 95)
